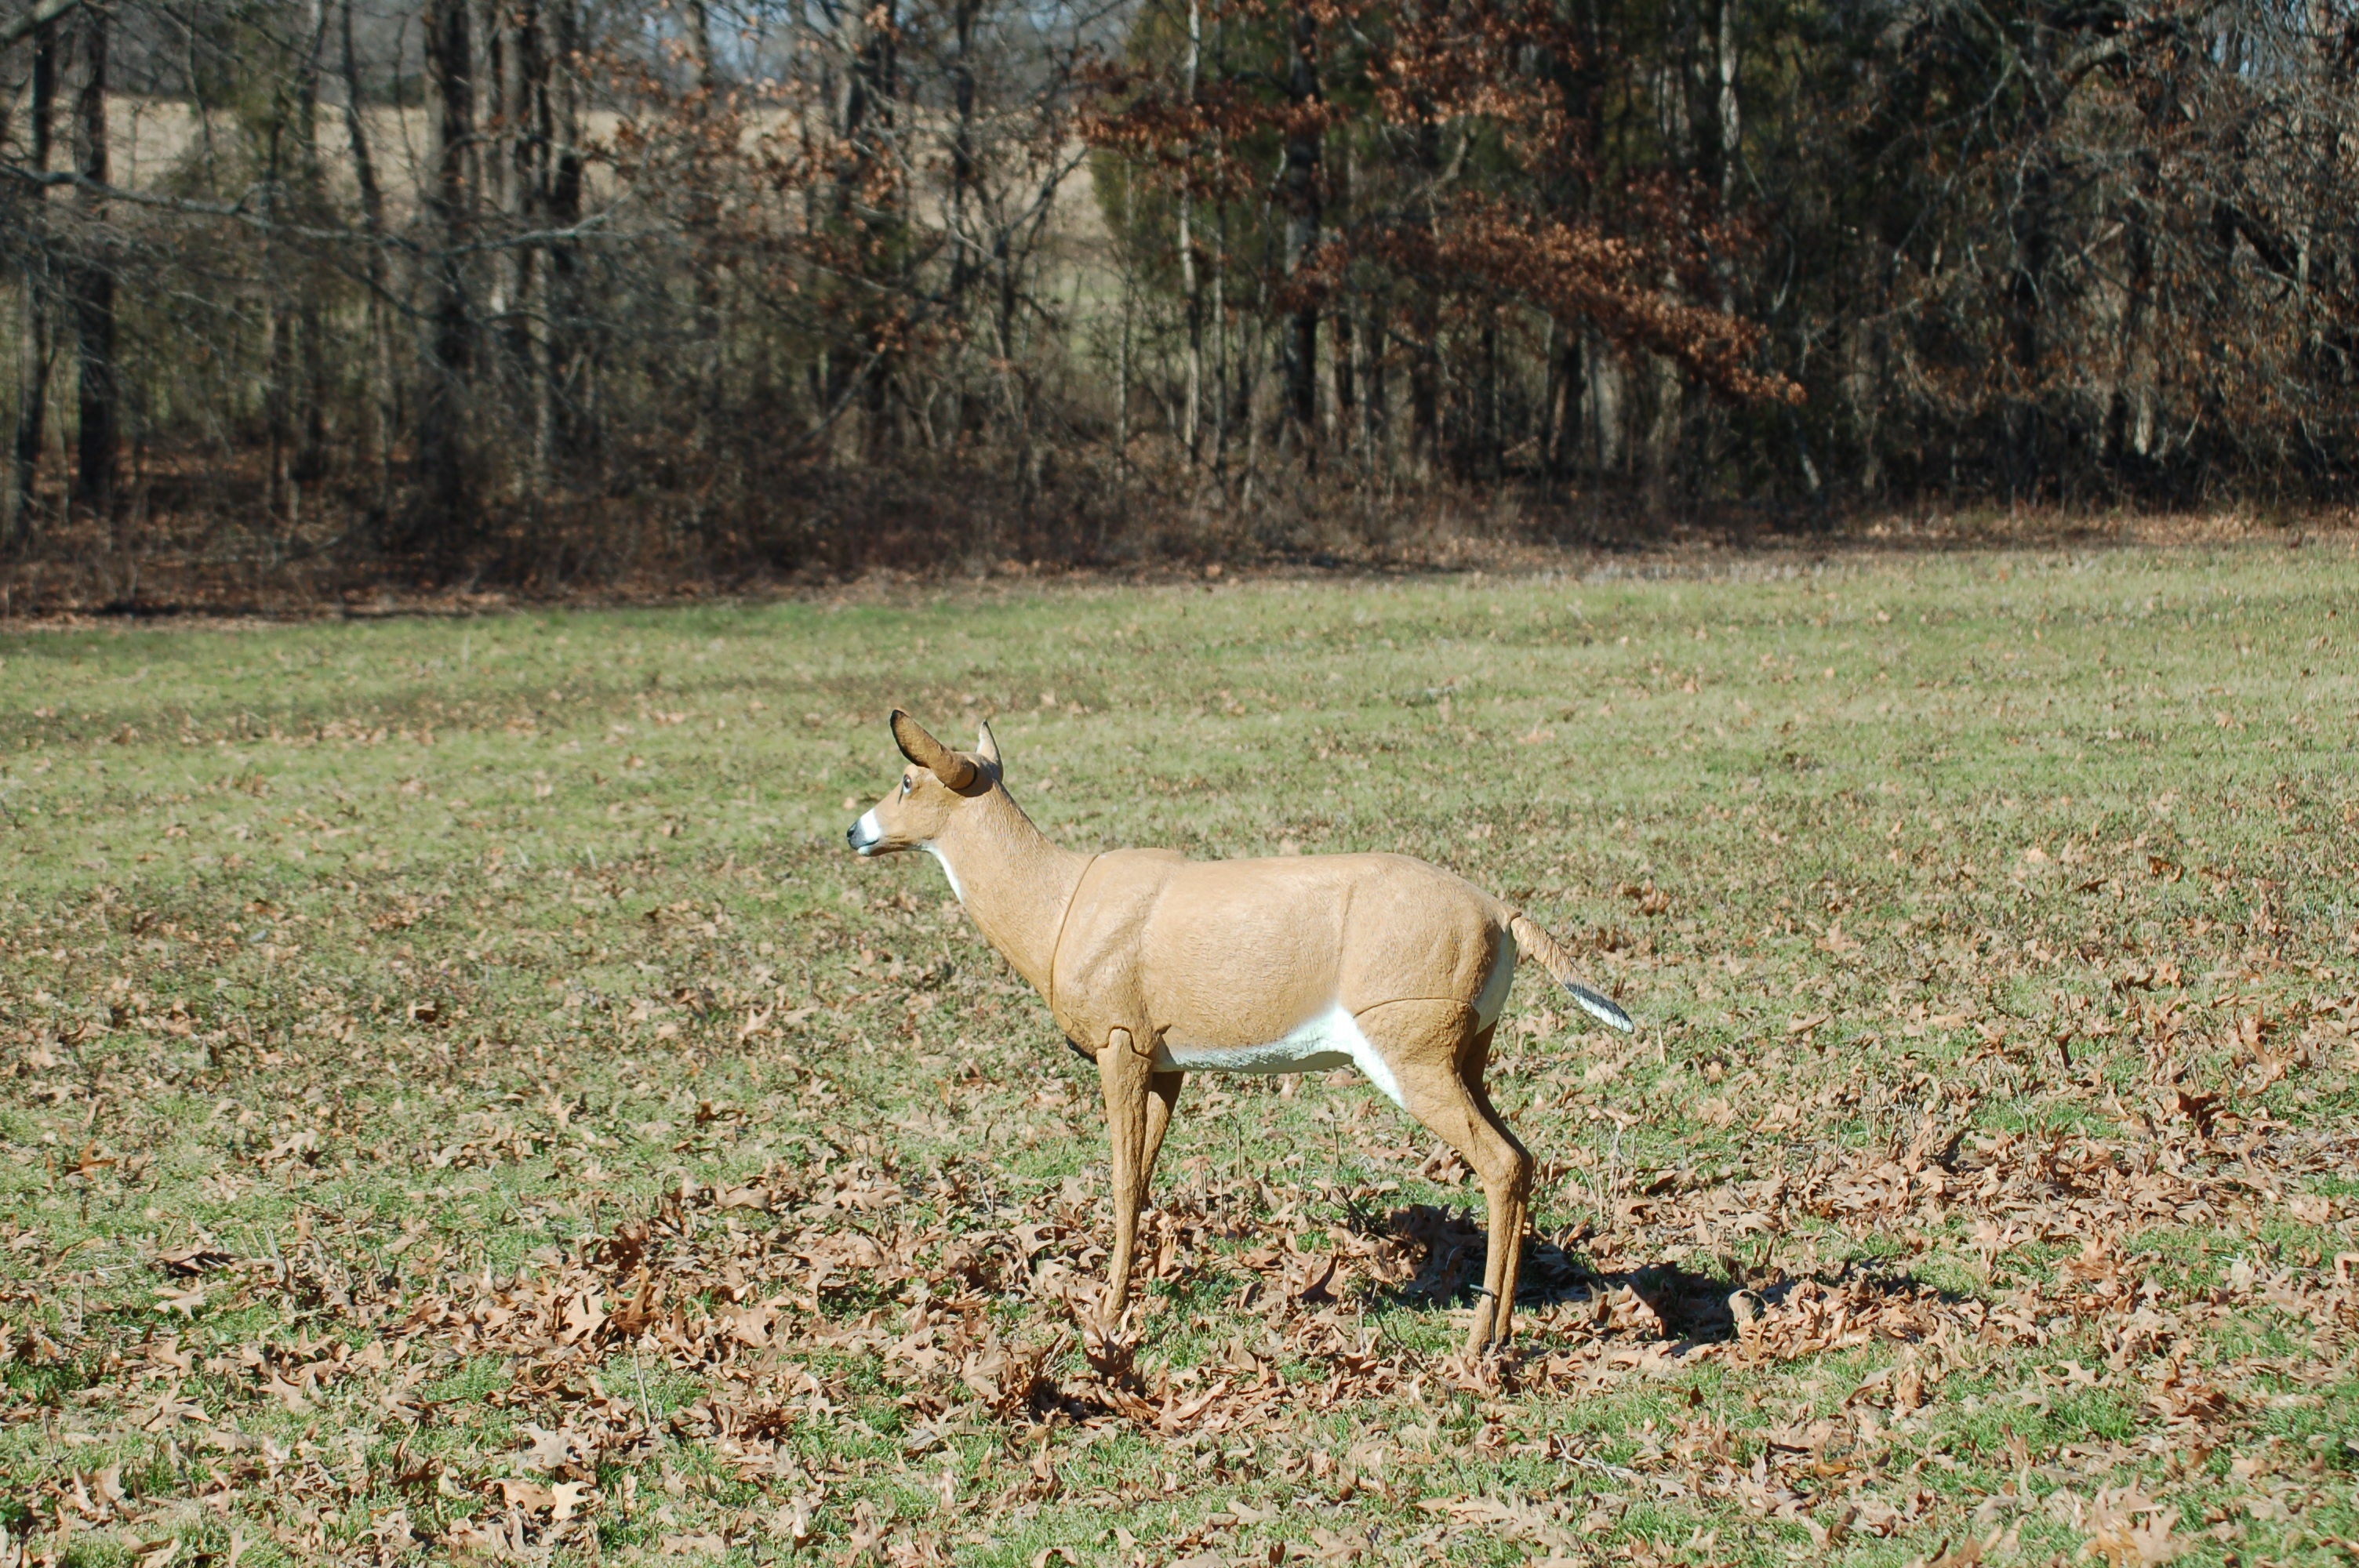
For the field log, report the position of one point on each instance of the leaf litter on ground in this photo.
(408, 1164)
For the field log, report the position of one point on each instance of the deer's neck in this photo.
(1015, 883)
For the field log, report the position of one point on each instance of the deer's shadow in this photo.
(1691, 1304)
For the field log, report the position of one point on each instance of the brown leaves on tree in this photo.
(1474, 185)
(1577, 272)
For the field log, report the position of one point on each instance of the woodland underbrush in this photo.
(809, 527)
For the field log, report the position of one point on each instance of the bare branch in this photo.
(34, 20)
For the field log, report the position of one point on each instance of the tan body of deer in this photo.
(1156, 966)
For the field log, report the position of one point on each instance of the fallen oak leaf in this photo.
(287, 1394)
(2117, 1537)
(501, 1537)
(548, 1450)
(792, 1523)
(694, 1543)
(1830, 1533)
(107, 1484)
(529, 1496)
(188, 1262)
(2200, 1110)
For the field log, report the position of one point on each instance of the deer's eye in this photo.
(908, 783)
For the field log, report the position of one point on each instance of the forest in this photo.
(556, 293)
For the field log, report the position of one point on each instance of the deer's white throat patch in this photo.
(1331, 1040)
(949, 870)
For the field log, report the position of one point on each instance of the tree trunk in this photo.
(1567, 380)
(1122, 345)
(1346, 393)
(2129, 423)
(1300, 197)
(93, 293)
(703, 223)
(867, 43)
(35, 345)
(1425, 386)
(2029, 229)
(296, 378)
(2030, 218)
(1191, 285)
(311, 440)
(379, 415)
(446, 490)
(1489, 416)
(1221, 337)
(528, 164)
(564, 391)
(1731, 127)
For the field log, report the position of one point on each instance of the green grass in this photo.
(1990, 919)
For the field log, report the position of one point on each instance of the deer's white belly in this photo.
(1331, 1040)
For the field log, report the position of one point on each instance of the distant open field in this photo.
(155, 141)
(462, 1101)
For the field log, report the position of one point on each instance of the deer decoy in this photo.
(1156, 966)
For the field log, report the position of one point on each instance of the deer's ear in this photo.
(911, 736)
(987, 748)
(928, 753)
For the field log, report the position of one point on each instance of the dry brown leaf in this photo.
(693, 1543)
(2119, 1536)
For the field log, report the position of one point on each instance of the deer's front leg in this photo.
(1137, 1111)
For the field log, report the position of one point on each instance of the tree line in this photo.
(551, 289)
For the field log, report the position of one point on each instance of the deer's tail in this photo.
(1531, 938)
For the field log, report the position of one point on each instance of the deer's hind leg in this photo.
(1162, 1099)
(1473, 1068)
(1437, 1050)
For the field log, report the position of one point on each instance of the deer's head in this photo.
(936, 786)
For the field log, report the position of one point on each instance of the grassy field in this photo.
(461, 1100)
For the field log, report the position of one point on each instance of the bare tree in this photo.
(1300, 198)
(447, 490)
(98, 427)
(36, 333)
(535, 288)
